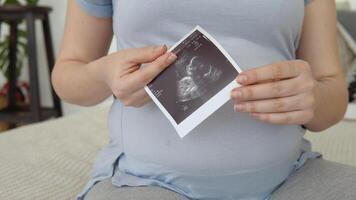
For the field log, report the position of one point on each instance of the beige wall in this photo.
(352, 2)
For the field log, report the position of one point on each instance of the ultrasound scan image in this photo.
(194, 79)
(199, 73)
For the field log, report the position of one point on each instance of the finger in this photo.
(294, 117)
(136, 99)
(144, 101)
(142, 98)
(136, 56)
(268, 90)
(287, 104)
(145, 75)
(129, 70)
(155, 68)
(276, 71)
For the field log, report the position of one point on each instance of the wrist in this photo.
(97, 71)
(330, 105)
(316, 96)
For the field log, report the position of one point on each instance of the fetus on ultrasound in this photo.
(195, 78)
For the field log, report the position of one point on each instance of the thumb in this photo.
(136, 56)
(143, 76)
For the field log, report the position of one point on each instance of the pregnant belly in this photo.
(225, 143)
(253, 184)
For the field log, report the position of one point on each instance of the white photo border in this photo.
(210, 106)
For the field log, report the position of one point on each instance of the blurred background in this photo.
(53, 159)
(57, 18)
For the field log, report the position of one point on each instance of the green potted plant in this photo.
(19, 2)
(22, 89)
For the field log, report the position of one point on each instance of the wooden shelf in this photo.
(23, 115)
(19, 12)
(13, 15)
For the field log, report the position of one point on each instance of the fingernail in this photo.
(242, 78)
(171, 58)
(158, 48)
(239, 107)
(236, 94)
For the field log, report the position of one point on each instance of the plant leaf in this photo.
(11, 2)
(32, 2)
(2, 52)
(4, 65)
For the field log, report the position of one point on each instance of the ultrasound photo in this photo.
(201, 71)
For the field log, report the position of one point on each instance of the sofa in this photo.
(53, 159)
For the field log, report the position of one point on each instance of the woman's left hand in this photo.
(279, 93)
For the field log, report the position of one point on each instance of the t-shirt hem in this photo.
(101, 11)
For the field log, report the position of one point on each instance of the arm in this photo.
(311, 91)
(318, 46)
(86, 41)
(85, 75)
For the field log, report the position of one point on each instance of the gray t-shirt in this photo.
(230, 155)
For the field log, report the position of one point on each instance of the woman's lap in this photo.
(104, 190)
(318, 179)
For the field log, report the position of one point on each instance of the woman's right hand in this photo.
(126, 77)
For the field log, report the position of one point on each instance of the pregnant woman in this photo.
(252, 148)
